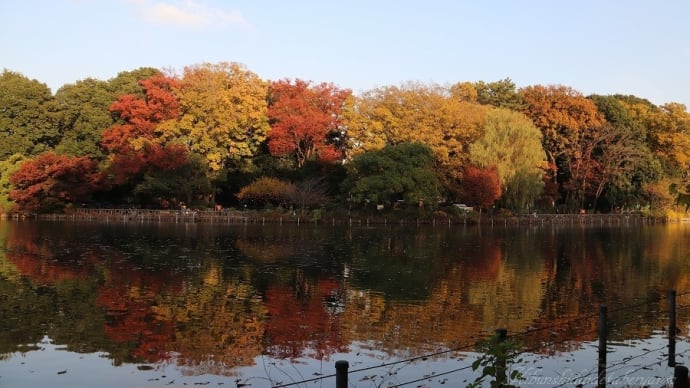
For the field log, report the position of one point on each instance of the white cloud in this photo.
(186, 13)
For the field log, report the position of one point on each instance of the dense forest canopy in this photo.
(219, 135)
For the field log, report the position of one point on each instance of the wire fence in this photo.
(677, 374)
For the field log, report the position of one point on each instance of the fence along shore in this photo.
(230, 216)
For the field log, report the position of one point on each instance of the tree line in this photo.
(219, 135)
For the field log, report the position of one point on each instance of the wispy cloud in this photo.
(187, 13)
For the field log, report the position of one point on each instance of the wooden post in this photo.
(601, 380)
(341, 367)
(672, 328)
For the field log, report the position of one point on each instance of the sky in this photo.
(604, 47)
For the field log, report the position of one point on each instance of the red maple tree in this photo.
(50, 182)
(140, 116)
(480, 186)
(305, 120)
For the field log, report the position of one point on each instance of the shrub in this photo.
(267, 191)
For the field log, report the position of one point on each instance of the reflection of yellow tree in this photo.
(583, 276)
(459, 311)
(510, 301)
(219, 324)
(7, 270)
(263, 251)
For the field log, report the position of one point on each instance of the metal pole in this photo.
(680, 377)
(501, 379)
(341, 367)
(602, 348)
(672, 328)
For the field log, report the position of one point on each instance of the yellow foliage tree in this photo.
(222, 115)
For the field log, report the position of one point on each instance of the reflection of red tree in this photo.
(45, 270)
(300, 322)
(41, 262)
(128, 297)
(488, 267)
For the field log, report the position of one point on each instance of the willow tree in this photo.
(512, 144)
(222, 116)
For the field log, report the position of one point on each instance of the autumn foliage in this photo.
(52, 181)
(267, 190)
(304, 119)
(480, 186)
(140, 116)
(204, 133)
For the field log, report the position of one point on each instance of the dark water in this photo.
(148, 305)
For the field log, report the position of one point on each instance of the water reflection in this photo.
(210, 299)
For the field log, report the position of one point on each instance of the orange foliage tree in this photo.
(140, 116)
(480, 186)
(305, 120)
(51, 182)
(570, 124)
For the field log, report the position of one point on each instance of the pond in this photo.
(127, 304)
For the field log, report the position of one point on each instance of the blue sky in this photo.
(595, 46)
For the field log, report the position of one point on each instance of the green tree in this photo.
(397, 172)
(625, 163)
(165, 186)
(501, 94)
(7, 168)
(127, 82)
(27, 122)
(427, 114)
(512, 144)
(82, 115)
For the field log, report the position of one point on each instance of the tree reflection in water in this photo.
(216, 300)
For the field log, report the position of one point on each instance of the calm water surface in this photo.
(149, 305)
